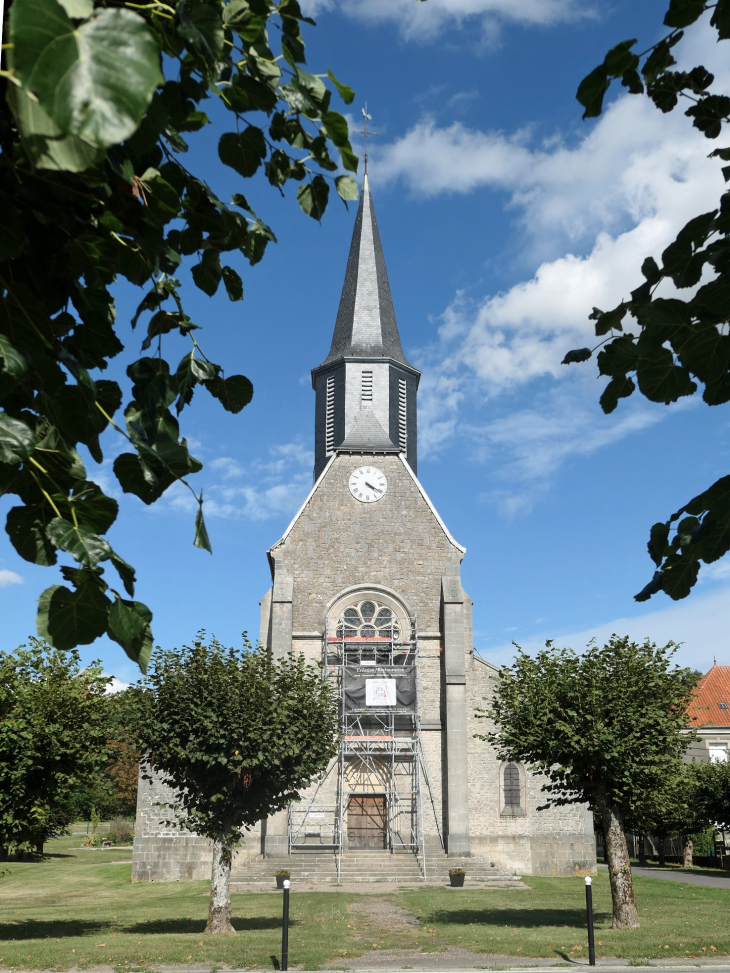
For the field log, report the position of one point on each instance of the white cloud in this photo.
(699, 622)
(263, 489)
(9, 577)
(588, 212)
(424, 20)
(116, 686)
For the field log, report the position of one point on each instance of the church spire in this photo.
(366, 389)
(366, 322)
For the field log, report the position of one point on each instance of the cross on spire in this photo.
(366, 131)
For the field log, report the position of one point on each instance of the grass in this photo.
(687, 921)
(79, 909)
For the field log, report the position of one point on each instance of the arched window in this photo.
(368, 620)
(512, 786)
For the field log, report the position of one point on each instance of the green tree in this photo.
(676, 808)
(603, 727)
(713, 791)
(53, 732)
(237, 735)
(113, 791)
(98, 100)
(670, 344)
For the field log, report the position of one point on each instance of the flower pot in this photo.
(457, 881)
(280, 879)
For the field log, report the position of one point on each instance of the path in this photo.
(700, 877)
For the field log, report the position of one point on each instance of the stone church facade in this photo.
(366, 580)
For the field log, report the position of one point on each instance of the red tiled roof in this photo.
(712, 689)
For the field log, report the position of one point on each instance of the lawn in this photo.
(79, 908)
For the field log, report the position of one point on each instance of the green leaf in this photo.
(201, 534)
(244, 152)
(131, 629)
(618, 388)
(682, 13)
(234, 393)
(201, 26)
(577, 355)
(207, 274)
(658, 543)
(349, 159)
(347, 188)
(313, 196)
(78, 9)
(591, 91)
(17, 440)
(124, 622)
(336, 126)
(126, 573)
(44, 142)
(94, 510)
(233, 284)
(679, 575)
(26, 528)
(13, 362)
(721, 19)
(86, 547)
(70, 618)
(95, 81)
(343, 90)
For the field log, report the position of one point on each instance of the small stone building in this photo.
(366, 580)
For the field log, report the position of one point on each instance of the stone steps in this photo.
(356, 867)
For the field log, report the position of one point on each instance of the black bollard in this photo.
(285, 929)
(589, 915)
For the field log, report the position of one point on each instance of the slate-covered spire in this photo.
(366, 389)
(366, 324)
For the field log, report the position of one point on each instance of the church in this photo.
(366, 580)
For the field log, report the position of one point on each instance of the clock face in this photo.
(368, 484)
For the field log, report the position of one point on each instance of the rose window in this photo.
(368, 620)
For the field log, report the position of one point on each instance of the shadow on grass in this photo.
(66, 928)
(49, 928)
(514, 918)
(197, 926)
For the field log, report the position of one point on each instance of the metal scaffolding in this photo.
(380, 752)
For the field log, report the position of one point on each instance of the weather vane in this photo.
(366, 131)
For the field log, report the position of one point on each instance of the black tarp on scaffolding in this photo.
(389, 689)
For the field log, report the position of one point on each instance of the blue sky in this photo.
(504, 220)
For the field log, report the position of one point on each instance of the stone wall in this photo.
(165, 853)
(555, 841)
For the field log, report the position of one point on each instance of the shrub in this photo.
(284, 872)
(121, 829)
(457, 871)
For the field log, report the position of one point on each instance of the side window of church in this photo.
(367, 386)
(511, 790)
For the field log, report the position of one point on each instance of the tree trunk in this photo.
(219, 911)
(625, 915)
(39, 849)
(3, 853)
(662, 845)
(642, 849)
(688, 849)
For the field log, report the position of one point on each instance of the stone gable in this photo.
(337, 542)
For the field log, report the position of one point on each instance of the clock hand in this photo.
(372, 487)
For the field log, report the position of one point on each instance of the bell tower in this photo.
(366, 388)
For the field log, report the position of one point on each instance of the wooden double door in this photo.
(367, 821)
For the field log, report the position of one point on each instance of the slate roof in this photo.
(366, 325)
(366, 433)
(712, 689)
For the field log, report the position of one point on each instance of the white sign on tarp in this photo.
(380, 692)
